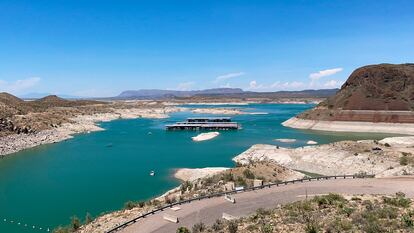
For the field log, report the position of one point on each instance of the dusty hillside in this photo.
(377, 87)
(385, 88)
(19, 116)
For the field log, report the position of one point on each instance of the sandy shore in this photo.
(80, 124)
(205, 136)
(346, 157)
(350, 126)
(191, 174)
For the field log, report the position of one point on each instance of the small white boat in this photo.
(152, 173)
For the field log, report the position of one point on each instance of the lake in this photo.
(100, 171)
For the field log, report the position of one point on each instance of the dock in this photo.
(205, 123)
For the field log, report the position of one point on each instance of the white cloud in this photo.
(287, 85)
(228, 76)
(185, 86)
(332, 84)
(253, 84)
(19, 85)
(324, 73)
(292, 86)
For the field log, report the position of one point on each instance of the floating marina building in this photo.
(205, 123)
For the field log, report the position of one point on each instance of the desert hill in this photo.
(19, 116)
(374, 93)
(377, 87)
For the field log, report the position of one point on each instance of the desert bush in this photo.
(75, 223)
(407, 220)
(266, 228)
(199, 227)
(232, 227)
(129, 205)
(399, 200)
(217, 226)
(404, 160)
(228, 177)
(248, 174)
(186, 185)
(182, 230)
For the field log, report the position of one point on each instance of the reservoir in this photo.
(46, 185)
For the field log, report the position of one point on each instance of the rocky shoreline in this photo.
(79, 124)
(382, 158)
(350, 126)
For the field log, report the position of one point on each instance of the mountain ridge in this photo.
(220, 92)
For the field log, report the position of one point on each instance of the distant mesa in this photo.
(156, 93)
(223, 92)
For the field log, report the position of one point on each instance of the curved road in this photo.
(208, 210)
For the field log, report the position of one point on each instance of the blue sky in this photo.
(100, 48)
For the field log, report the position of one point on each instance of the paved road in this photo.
(208, 210)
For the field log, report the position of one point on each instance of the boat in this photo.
(152, 173)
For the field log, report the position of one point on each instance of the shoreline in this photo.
(192, 174)
(350, 126)
(79, 124)
(345, 155)
(381, 158)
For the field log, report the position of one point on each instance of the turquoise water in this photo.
(47, 185)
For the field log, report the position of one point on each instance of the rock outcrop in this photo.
(375, 93)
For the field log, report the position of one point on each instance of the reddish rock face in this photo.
(388, 89)
(377, 87)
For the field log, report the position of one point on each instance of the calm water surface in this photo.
(47, 185)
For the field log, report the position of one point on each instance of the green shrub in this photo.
(339, 225)
(404, 160)
(186, 185)
(182, 230)
(228, 177)
(263, 212)
(129, 205)
(347, 211)
(398, 201)
(266, 228)
(312, 227)
(330, 199)
(248, 174)
(407, 220)
(240, 181)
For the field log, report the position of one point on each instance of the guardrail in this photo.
(119, 227)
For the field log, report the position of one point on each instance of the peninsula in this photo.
(375, 98)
